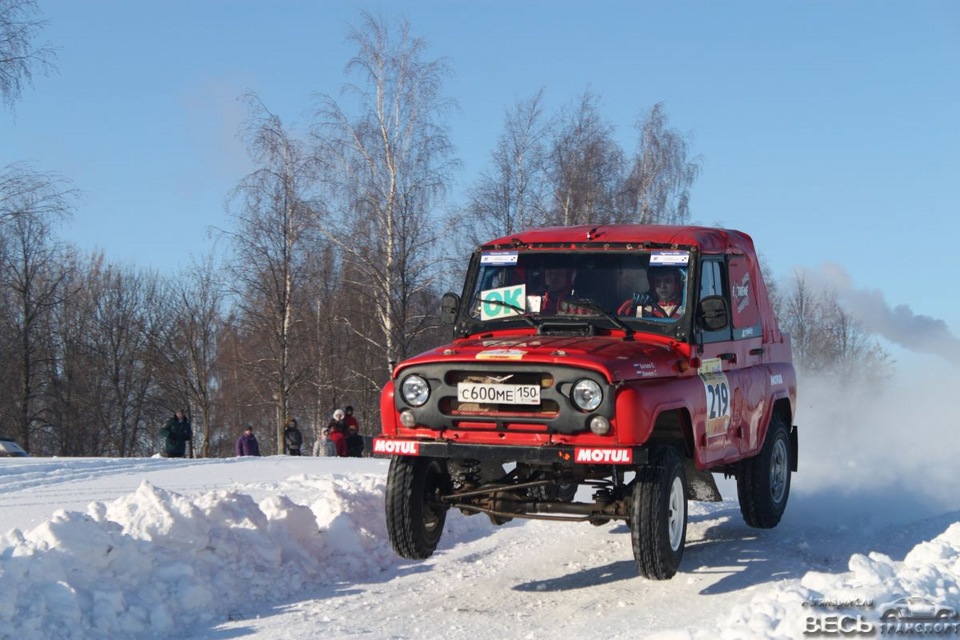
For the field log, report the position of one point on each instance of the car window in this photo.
(712, 278)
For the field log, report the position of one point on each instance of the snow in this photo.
(281, 547)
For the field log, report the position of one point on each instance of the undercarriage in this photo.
(538, 493)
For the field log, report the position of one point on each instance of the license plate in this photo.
(498, 393)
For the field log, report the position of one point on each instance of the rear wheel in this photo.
(415, 512)
(763, 482)
(658, 515)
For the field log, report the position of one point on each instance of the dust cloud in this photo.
(880, 451)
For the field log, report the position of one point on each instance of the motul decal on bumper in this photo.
(584, 455)
(396, 447)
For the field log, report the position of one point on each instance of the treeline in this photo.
(340, 245)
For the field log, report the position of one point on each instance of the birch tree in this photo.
(275, 224)
(387, 158)
(657, 189)
(585, 166)
(510, 196)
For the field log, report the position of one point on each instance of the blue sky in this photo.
(828, 130)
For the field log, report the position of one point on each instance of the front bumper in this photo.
(549, 454)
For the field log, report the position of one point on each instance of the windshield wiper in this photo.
(587, 303)
(521, 312)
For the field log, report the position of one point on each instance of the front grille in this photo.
(554, 413)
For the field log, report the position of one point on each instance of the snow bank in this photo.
(931, 570)
(153, 562)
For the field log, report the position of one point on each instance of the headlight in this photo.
(587, 395)
(415, 390)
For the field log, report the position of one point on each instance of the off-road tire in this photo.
(415, 513)
(658, 515)
(763, 481)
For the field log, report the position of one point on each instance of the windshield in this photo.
(529, 286)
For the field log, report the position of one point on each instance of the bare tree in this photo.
(70, 428)
(800, 318)
(19, 27)
(510, 197)
(31, 276)
(275, 229)
(190, 345)
(584, 167)
(828, 339)
(26, 191)
(386, 169)
(657, 190)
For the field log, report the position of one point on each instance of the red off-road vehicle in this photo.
(596, 374)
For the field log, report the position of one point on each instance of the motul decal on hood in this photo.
(591, 455)
(396, 447)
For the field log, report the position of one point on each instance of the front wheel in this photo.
(415, 512)
(763, 482)
(658, 515)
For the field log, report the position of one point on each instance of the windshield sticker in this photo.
(502, 302)
(501, 354)
(668, 257)
(499, 258)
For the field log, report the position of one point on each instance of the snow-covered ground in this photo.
(279, 548)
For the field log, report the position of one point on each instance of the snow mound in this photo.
(154, 561)
(931, 570)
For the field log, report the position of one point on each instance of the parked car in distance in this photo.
(10, 449)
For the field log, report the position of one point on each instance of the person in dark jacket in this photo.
(176, 433)
(292, 438)
(354, 442)
(247, 444)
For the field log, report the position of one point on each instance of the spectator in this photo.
(324, 446)
(176, 433)
(348, 418)
(338, 433)
(354, 442)
(247, 444)
(292, 438)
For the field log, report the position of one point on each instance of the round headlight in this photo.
(587, 395)
(415, 390)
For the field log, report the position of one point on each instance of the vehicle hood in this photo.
(617, 358)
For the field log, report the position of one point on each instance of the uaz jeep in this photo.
(596, 374)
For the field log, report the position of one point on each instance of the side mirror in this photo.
(449, 304)
(713, 313)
